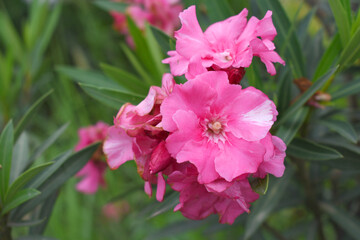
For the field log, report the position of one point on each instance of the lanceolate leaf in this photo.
(308, 150)
(164, 40)
(341, 19)
(343, 128)
(351, 51)
(351, 88)
(306, 96)
(19, 198)
(28, 115)
(111, 5)
(6, 148)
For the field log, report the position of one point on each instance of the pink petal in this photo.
(147, 188)
(118, 147)
(266, 28)
(160, 192)
(160, 158)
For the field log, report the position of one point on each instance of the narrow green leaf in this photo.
(10, 36)
(283, 90)
(308, 150)
(260, 185)
(29, 114)
(6, 148)
(351, 51)
(328, 58)
(21, 153)
(36, 237)
(282, 23)
(343, 219)
(58, 177)
(111, 5)
(24, 179)
(266, 204)
(343, 128)
(218, 10)
(349, 89)
(288, 129)
(126, 79)
(165, 41)
(157, 208)
(136, 64)
(306, 96)
(111, 97)
(25, 223)
(19, 198)
(341, 20)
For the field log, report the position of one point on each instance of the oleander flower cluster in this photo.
(159, 13)
(205, 138)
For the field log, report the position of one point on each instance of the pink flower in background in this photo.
(217, 126)
(93, 172)
(137, 134)
(226, 45)
(159, 13)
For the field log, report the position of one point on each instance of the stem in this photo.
(5, 231)
(310, 195)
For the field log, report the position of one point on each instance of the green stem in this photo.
(5, 230)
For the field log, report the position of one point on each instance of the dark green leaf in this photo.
(351, 51)
(164, 40)
(343, 128)
(58, 177)
(111, 97)
(306, 96)
(218, 10)
(29, 114)
(349, 89)
(6, 148)
(24, 179)
(343, 219)
(308, 150)
(260, 185)
(19, 198)
(111, 5)
(157, 208)
(288, 130)
(25, 223)
(126, 79)
(266, 204)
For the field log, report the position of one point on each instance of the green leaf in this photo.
(58, 177)
(266, 204)
(343, 128)
(19, 198)
(6, 148)
(164, 40)
(329, 57)
(260, 185)
(29, 114)
(343, 219)
(341, 20)
(306, 96)
(351, 51)
(24, 179)
(111, 97)
(218, 10)
(126, 79)
(10, 36)
(93, 78)
(21, 153)
(158, 208)
(349, 89)
(111, 5)
(308, 150)
(25, 223)
(282, 23)
(283, 90)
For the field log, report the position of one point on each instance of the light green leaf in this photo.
(10, 36)
(19, 198)
(24, 179)
(29, 114)
(308, 150)
(111, 5)
(343, 219)
(164, 40)
(6, 148)
(266, 204)
(341, 20)
(21, 153)
(306, 96)
(343, 128)
(126, 79)
(351, 51)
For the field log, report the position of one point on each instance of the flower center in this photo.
(214, 130)
(225, 56)
(216, 127)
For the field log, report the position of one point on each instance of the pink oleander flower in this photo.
(159, 13)
(198, 201)
(93, 172)
(137, 134)
(228, 45)
(220, 128)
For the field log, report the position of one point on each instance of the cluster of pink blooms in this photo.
(205, 138)
(93, 172)
(160, 13)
